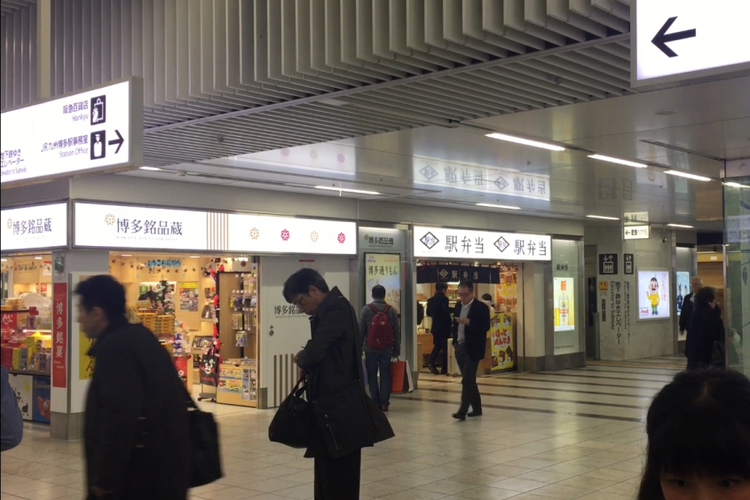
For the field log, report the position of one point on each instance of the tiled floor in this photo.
(565, 435)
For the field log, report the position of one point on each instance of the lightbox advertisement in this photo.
(654, 293)
(564, 297)
(384, 269)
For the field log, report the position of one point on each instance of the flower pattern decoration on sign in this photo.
(314, 236)
(109, 219)
(254, 233)
(285, 235)
(342, 238)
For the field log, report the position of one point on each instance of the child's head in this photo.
(699, 438)
(654, 284)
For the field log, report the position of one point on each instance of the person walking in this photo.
(136, 439)
(12, 422)
(471, 323)
(705, 329)
(439, 310)
(329, 360)
(379, 327)
(688, 304)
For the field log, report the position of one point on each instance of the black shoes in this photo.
(474, 414)
(434, 371)
(459, 416)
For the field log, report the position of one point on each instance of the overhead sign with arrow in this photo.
(98, 130)
(677, 40)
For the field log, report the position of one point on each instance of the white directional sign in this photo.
(686, 39)
(637, 232)
(96, 130)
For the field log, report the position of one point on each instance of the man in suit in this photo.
(688, 304)
(439, 310)
(471, 321)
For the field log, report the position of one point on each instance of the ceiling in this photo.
(396, 97)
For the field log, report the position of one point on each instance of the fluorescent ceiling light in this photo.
(195, 256)
(151, 169)
(126, 255)
(347, 190)
(37, 258)
(680, 173)
(736, 185)
(504, 207)
(680, 225)
(603, 217)
(525, 142)
(619, 161)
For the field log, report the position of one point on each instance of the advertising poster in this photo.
(501, 336)
(41, 400)
(654, 294)
(682, 288)
(85, 362)
(231, 380)
(564, 297)
(22, 388)
(189, 296)
(506, 299)
(249, 384)
(384, 269)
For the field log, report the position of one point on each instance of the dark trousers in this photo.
(440, 345)
(379, 361)
(469, 388)
(337, 479)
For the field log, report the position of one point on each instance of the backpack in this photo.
(380, 335)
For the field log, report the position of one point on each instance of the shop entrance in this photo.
(498, 285)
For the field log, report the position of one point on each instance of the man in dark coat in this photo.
(137, 443)
(471, 322)
(332, 361)
(439, 310)
(705, 329)
(688, 304)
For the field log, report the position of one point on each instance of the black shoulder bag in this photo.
(205, 459)
(349, 420)
(293, 423)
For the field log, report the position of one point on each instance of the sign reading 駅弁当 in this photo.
(438, 242)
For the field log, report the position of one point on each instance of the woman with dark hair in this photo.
(698, 430)
(705, 329)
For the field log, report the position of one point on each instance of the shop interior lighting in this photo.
(619, 161)
(3, 260)
(504, 207)
(736, 185)
(525, 142)
(126, 255)
(685, 226)
(150, 169)
(679, 173)
(195, 257)
(37, 258)
(603, 217)
(347, 190)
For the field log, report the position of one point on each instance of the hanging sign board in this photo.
(686, 39)
(636, 232)
(27, 228)
(446, 243)
(97, 130)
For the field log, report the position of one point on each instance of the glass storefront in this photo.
(737, 272)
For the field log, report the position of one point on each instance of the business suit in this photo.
(439, 310)
(470, 352)
(686, 313)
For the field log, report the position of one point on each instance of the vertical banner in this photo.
(384, 269)
(501, 337)
(59, 334)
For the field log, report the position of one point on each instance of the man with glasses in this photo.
(470, 326)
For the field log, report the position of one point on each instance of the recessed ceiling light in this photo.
(505, 207)
(603, 217)
(680, 173)
(736, 185)
(685, 226)
(619, 161)
(526, 142)
(347, 190)
(150, 169)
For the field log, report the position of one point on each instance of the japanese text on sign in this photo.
(59, 334)
(11, 158)
(443, 242)
(287, 310)
(157, 228)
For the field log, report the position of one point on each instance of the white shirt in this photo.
(461, 327)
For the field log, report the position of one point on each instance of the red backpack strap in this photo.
(387, 308)
(375, 309)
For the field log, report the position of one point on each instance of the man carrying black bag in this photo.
(346, 420)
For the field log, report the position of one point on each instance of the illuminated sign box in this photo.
(446, 243)
(29, 228)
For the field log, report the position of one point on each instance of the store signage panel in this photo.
(114, 226)
(380, 239)
(28, 228)
(289, 235)
(680, 39)
(446, 243)
(637, 232)
(93, 130)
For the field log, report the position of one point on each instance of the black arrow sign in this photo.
(119, 141)
(661, 38)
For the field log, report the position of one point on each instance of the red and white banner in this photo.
(59, 334)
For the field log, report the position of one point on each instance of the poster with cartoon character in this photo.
(22, 386)
(501, 337)
(654, 294)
